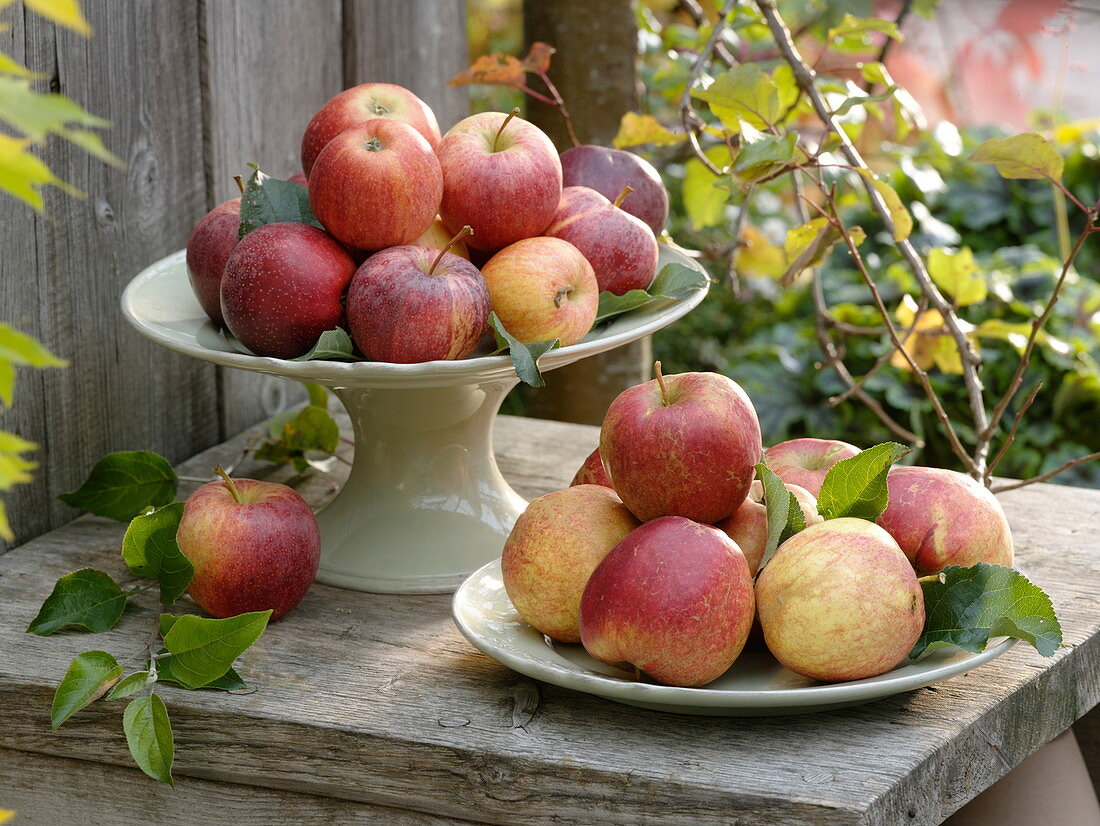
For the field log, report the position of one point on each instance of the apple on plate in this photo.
(748, 525)
(377, 185)
(542, 289)
(592, 472)
(674, 599)
(362, 103)
(282, 288)
(501, 176)
(839, 601)
(682, 445)
(609, 171)
(413, 304)
(805, 462)
(255, 546)
(553, 549)
(940, 517)
(620, 247)
(209, 247)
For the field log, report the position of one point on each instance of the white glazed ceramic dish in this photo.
(756, 685)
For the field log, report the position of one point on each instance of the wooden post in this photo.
(594, 69)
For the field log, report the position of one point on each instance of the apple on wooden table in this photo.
(255, 546)
(209, 247)
(362, 103)
(609, 171)
(282, 288)
(806, 462)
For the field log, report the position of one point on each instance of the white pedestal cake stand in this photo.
(424, 504)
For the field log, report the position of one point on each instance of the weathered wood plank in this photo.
(141, 71)
(363, 697)
(266, 69)
(432, 38)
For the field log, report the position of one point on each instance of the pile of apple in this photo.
(652, 557)
(406, 211)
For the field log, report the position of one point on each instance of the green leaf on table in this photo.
(229, 681)
(957, 275)
(87, 599)
(149, 736)
(525, 355)
(857, 27)
(673, 282)
(268, 200)
(1029, 155)
(205, 648)
(857, 486)
(784, 514)
(764, 157)
(969, 606)
(903, 221)
(122, 485)
(131, 684)
(743, 93)
(332, 345)
(149, 549)
(90, 676)
(705, 199)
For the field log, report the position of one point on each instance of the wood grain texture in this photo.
(266, 69)
(140, 71)
(432, 49)
(378, 699)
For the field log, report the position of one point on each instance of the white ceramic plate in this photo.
(756, 685)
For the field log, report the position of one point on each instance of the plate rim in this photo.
(826, 695)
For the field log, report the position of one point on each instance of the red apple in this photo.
(543, 288)
(592, 472)
(609, 171)
(362, 103)
(377, 185)
(502, 176)
(209, 247)
(839, 601)
(674, 599)
(282, 288)
(805, 462)
(748, 525)
(621, 248)
(255, 546)
(414, 304)
(554, 547)
(940, 517)
(683, 445)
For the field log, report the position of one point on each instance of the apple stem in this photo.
(496, 137)
(622, 195)
(560, 294)
(661, 383)
(240, 183)
(932, 578)
(637, 674)
(218, 469)
(462, 233)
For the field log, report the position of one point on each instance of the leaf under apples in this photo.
(673, 282)
(525, 355)
(267, 200)
(332, 345)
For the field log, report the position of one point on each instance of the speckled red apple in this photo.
(805, 462)
(674, 599)
(608, 171)
(748, 525)
(620, 247)
(592, 472)
(553, 549)
(839, 601)
(940, 517)
(212, 241)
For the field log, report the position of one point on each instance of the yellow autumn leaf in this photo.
(929, 344)
(21, 173)
(8, 535)
(903, 221)
(637, 130)
(757, 256)
(65, 13)
(5, 814)
(1029, 155)
(957, 274)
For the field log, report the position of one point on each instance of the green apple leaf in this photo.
(149, 736)
(784, 514)
(1021, 156)
(957, 275)
(332, 345)
(903, 221)
(525, 355)
(122, 485)
(267, 200)
(87, 599)
(743, 93)
(704, 198)
(229, 681)
(857, 486)
(131, 684)
(89, 676)
(149, 549)
(19, 348)
(969, 606)
(205, 648)
(318, 396)
(857, 27)
(673, 282)
(765, 156)
(294, 433)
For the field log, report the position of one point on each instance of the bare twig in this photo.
(695, 11)
(1072, 463)
(1019, 417)
(559, 102)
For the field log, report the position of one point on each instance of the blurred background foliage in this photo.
(763, 335)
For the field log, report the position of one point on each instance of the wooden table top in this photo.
(370, 708)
